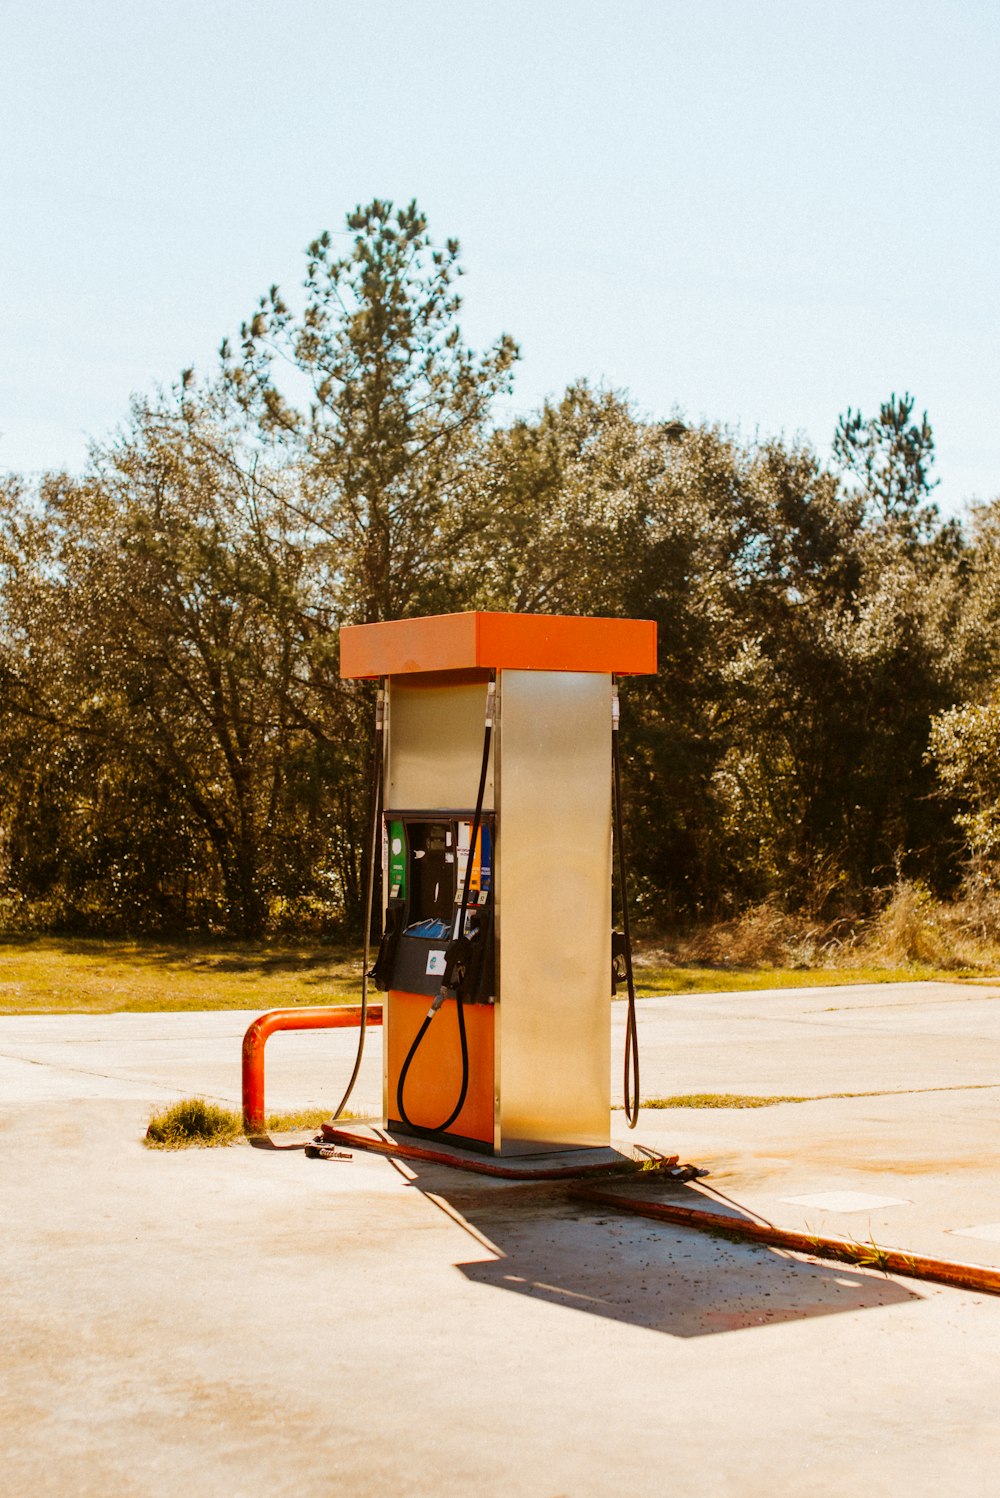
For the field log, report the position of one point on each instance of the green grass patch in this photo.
(51, 976)
(665, 980)
(301, 1119)
(753, 1100)
(719, 1100)
(193, 1122)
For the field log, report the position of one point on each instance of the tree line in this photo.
(178, 752)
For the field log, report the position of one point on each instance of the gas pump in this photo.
(500, 738)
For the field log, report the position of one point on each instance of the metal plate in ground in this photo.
(989, 1232)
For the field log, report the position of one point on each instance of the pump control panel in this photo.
(426, 864)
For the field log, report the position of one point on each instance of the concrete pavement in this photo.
(243, 1322)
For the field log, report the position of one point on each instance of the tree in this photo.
(160, 618)
(779, 751)
(559, 505)
(174, 617)
(964, 750)
(90, 831)
(889, 459)
(175, 740)
(964, 746)
(397, 408)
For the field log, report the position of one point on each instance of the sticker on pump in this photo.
(436, 964)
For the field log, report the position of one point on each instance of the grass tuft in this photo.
(194, 1123)
(869, 1255)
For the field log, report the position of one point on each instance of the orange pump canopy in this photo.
(497, 642)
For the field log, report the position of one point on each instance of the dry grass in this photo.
(914, 927)
(913, 936)
(192, 1122)
(195, 1123)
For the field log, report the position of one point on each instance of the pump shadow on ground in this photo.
(538, 1242)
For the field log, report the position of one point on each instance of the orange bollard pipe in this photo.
(325, 1017)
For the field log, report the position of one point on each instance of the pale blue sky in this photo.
(756, 213)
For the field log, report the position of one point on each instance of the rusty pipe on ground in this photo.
(861, 1255)
(318, 1017)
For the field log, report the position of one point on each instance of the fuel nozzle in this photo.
(456, 966)
(381, 969)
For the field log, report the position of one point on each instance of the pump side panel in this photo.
(553, 892)
(435, 745)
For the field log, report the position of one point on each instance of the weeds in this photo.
(869, 1255)
(195, 1123)
(192, 1122)
(865, 1253)
(302, 1118)
(861, 1253)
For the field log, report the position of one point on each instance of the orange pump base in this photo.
(434, 1078)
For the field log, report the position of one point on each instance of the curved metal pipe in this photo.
(318, 1017)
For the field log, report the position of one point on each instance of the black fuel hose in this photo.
(459, 1001)
(631, 1077)
(376, 785)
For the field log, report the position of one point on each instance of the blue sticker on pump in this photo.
(433, 928)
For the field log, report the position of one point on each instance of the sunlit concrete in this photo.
(243, 1321)
(927, 1055)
